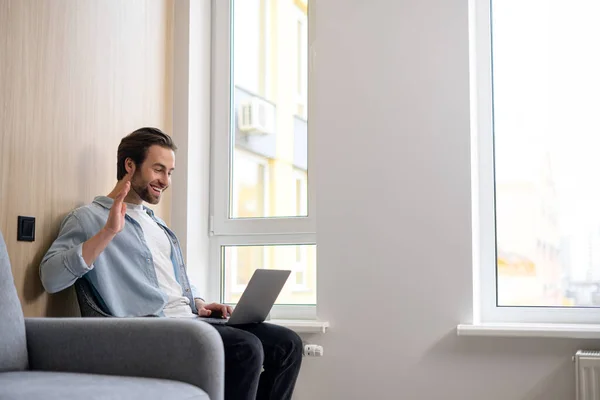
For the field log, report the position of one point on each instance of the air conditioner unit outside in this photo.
(256, 117)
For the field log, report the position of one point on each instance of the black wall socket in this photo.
(26, 229)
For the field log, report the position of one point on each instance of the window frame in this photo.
(255, 231)
(222, 119)
(485, 267)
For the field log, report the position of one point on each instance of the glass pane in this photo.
(250, 185)
(239, 262)
(546, 86)
(270, 96)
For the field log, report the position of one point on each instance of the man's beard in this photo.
(142, 190)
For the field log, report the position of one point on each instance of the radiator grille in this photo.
(587, 375)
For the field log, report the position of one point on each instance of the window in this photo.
(535, 85)
(263, 195)
(239, 262)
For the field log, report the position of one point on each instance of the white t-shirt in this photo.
(160, 247)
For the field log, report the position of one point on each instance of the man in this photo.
(134, 263)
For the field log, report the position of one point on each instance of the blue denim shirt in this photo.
(123, 274)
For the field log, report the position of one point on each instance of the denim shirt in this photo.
(123, 275)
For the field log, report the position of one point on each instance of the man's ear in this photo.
(129, 165)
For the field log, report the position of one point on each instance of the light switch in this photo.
(26, 229)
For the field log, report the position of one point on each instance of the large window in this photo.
(262, 206)
(535, 98)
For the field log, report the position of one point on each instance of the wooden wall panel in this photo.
(75, 77)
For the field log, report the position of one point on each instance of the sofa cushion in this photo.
(29, 385)
(13, 346)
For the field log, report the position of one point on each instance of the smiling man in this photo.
(135, 265)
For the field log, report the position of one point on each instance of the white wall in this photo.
(394, 255)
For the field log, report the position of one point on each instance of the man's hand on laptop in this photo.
(206, 309)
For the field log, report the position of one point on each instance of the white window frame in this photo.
(221, 144)
(254, 231)
(483, 196)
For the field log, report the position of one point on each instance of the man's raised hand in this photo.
(116, 216)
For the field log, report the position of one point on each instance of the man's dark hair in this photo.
(136, 145)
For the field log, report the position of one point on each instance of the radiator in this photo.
(587, 375)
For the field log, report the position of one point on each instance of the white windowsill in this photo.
(302, 326)
(533, 330)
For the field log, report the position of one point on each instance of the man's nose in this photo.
(164, 181)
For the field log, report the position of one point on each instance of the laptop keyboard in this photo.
(218, 321)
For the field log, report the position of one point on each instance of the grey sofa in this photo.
(104, 358)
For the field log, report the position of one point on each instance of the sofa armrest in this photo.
(184, 350)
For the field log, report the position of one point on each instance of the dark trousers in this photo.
(251, 348)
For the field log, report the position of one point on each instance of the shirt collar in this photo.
(107, 203)
(104, 201)
(136, 207)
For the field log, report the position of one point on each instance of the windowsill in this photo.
(533, 330)
(302, 326)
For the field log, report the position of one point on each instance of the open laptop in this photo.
(257, 300)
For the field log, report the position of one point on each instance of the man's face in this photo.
(153, 177)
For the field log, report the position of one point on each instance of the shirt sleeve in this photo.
(63, 263)
(195, 293)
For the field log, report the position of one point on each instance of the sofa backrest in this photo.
(13, 345)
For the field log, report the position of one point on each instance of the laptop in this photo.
(257, 300)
